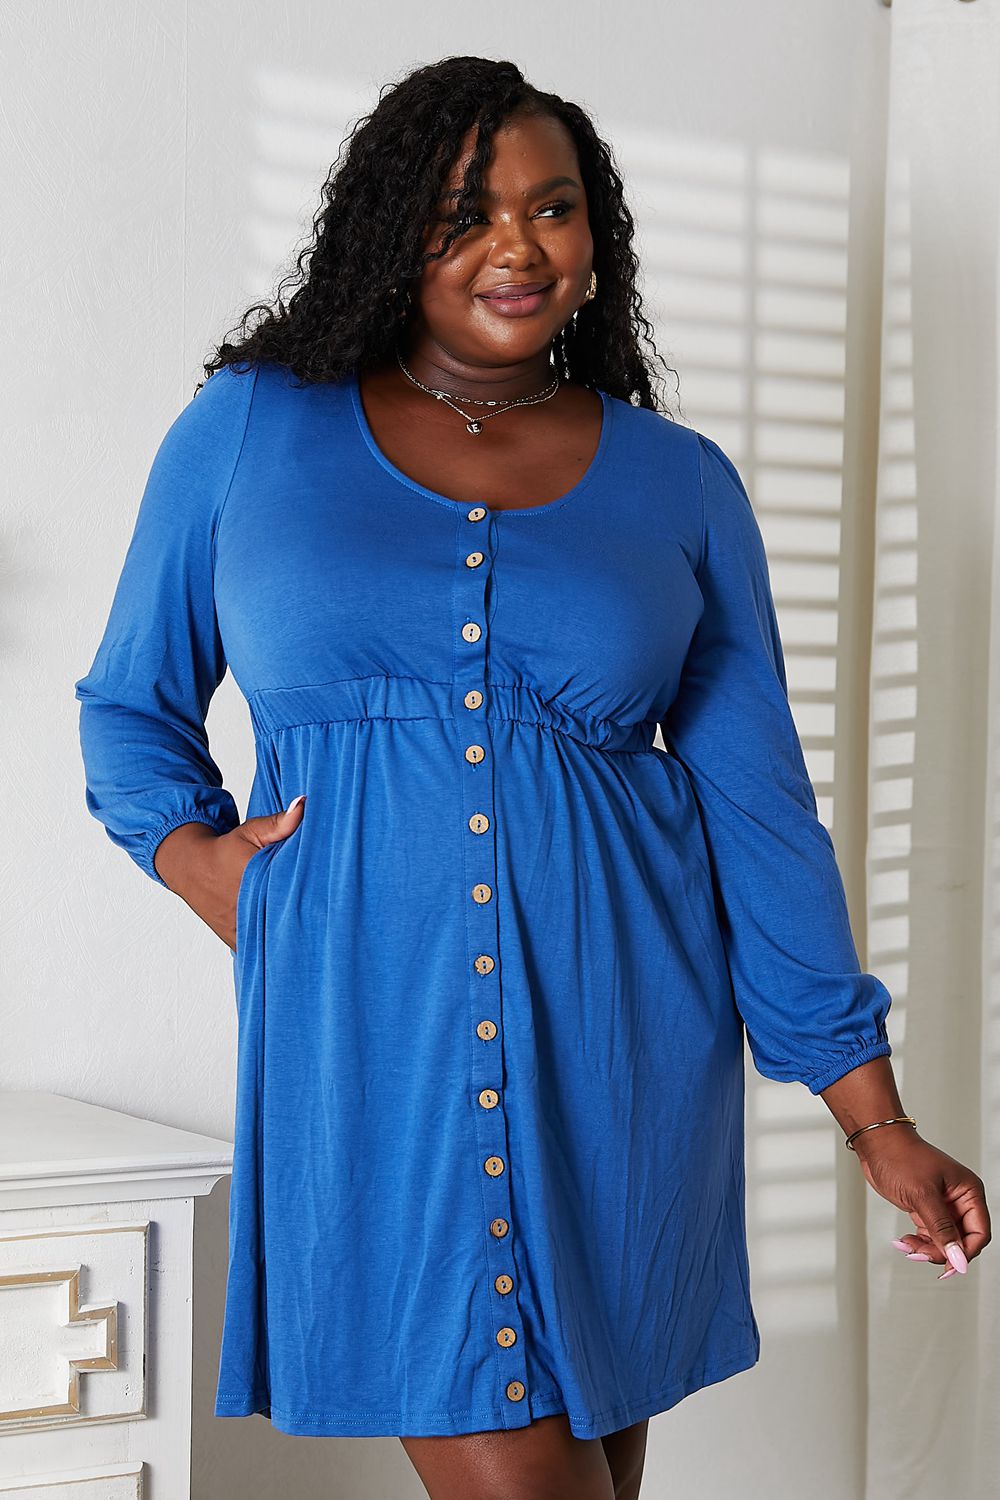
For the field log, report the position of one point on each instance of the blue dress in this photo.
(492, 992)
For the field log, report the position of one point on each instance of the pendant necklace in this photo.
(474, 424)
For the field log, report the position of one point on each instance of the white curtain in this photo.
(934, 850)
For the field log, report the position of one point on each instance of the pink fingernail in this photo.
(956, 1255)
(902, 1245)
(950, 1272)
(917, 1255)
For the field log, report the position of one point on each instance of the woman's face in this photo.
(532, 227)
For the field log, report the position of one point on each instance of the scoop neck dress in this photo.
(492, 993)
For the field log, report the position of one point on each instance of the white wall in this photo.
(161, 162)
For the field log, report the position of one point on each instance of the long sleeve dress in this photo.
(491, 993)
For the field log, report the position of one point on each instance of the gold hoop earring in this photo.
(587, 296)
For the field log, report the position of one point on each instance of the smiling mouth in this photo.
(515, 295)
(516, 304)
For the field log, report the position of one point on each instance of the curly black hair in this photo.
(369, 235)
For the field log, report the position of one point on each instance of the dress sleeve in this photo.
(810, 1013)
(160, 659)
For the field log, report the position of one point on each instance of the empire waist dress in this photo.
(492, 992)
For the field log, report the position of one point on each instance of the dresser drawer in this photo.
(73, 1325)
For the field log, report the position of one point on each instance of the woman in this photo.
(494, 952)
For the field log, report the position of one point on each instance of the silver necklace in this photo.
(475, 424)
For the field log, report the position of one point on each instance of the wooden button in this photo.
(486, 1030)
(473, 698)
(498, 1228)
(476, 513)
(503, 1284)
(473, 560)
(479, 822)
(474, 754)
(489, 1098)
(484, 965)
(481, 893)
(472, 631)
(515, 1390)
(494, 1165)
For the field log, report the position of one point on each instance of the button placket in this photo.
(478, 890)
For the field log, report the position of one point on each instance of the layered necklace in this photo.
(474, 424)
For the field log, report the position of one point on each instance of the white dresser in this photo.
(96, 1242)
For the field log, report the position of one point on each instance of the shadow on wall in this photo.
(748, 250)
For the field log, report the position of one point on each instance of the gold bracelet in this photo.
(897, 1120)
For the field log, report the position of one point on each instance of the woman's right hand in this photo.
(206, 868)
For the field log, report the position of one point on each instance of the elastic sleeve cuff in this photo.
(816, 1082)
(219, 821)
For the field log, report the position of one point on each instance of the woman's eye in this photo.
(560, 207)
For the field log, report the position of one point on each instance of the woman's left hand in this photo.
(945, 1200)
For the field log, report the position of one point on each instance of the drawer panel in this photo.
(111, 1482)
(73, 1320)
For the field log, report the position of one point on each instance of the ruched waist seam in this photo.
(355, 699)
